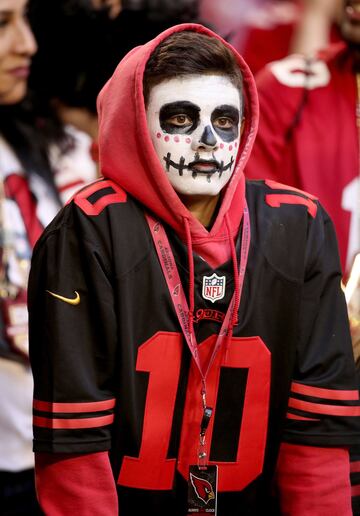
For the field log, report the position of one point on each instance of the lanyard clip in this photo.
(202, 454)
(205, 420)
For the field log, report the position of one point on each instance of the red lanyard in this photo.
(168, 265)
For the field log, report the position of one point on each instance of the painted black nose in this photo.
(208, 137)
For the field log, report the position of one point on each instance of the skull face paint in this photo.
(194, 123)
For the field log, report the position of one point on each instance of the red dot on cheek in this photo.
(166, 138)
(221, 145)
(188, 140)
(235, 145)
(176, 139)
(230, 147)
(158, 135)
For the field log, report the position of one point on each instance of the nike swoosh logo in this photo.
(69, 300)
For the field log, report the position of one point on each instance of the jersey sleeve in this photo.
(73, 338)
(323, 407)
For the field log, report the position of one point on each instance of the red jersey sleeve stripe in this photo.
(327, 410)
(355, 466)
(72, 424)
(300, 418)
(319, 392)
(355, 490)
(92, 406)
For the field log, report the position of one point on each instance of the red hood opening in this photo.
(127, 155)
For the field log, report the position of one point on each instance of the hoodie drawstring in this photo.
(234, 318)
(191, 274)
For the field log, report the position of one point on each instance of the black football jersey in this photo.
(113, 372)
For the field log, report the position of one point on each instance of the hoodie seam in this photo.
(205, 240)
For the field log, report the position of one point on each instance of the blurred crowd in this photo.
(56, 55)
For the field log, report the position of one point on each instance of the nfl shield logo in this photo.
(213, 287)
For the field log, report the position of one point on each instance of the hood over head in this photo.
(128, 157)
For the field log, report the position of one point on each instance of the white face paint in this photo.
(194, 123)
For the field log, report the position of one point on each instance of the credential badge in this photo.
(213, 287)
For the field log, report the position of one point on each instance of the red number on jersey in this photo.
(161, 357)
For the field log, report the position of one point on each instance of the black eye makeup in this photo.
(181, 117)
(225, 121)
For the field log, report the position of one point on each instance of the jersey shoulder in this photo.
(109, 220)
(287, 226)
(95, 197)
(274, 195)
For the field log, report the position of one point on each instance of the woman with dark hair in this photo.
(42, 162)
(78, 67)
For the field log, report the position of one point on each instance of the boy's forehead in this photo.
(203, 90)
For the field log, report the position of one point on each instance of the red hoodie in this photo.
(118, 136)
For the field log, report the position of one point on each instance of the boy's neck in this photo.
(201, 207)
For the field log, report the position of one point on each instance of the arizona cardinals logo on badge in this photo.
(213, 287)
(202, 488)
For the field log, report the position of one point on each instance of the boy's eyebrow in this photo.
(226, 109)
(179, 104)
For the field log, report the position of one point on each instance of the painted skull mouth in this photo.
(198, 166)
(204, 166)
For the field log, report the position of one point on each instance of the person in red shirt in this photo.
(309, 129)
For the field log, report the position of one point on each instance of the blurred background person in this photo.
(267, 30)
(317, 27)
(260, 30)
(42, 163)
(309, 125)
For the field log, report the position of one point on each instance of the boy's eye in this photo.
(223, 123)
(180, 120)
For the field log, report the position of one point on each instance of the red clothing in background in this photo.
(308, 136)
